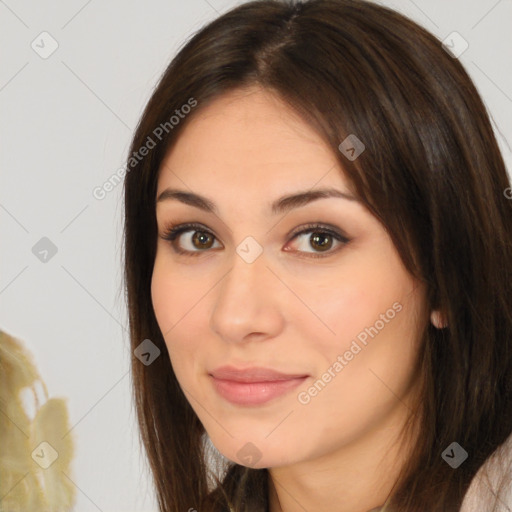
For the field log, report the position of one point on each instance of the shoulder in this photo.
(486, 484)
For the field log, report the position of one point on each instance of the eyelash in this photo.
(172, 231)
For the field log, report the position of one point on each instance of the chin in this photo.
(255, 454)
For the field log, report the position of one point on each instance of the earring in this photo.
(438, 320)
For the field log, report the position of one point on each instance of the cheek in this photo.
(340, 306)
(175, 303)
(371, 296)
(173, 294)
(365, 314)
(164, 297)
(374, 333)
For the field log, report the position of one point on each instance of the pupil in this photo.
(201, 237)
(318, 238)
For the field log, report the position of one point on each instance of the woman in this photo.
(318, 243)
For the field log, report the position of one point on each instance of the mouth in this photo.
(253, 386)
(252, 374)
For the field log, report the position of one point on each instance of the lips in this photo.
(253, 386)
(253, 374)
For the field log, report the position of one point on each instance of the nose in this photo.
(249, 302)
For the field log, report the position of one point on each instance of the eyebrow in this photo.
(281, 205)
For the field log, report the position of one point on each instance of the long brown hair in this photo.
(431, 172)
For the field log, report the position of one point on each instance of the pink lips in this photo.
(253, 386)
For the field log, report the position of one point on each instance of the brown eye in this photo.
(321, 241)
(195, 238)
(202, 240)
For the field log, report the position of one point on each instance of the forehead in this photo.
(250, 139)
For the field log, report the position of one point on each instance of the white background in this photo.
(66, 123)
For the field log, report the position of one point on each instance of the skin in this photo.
(340, 452)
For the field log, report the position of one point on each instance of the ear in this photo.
(438, 319)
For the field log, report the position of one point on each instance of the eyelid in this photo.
(321, 227)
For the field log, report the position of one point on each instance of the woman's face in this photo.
(341, 316)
